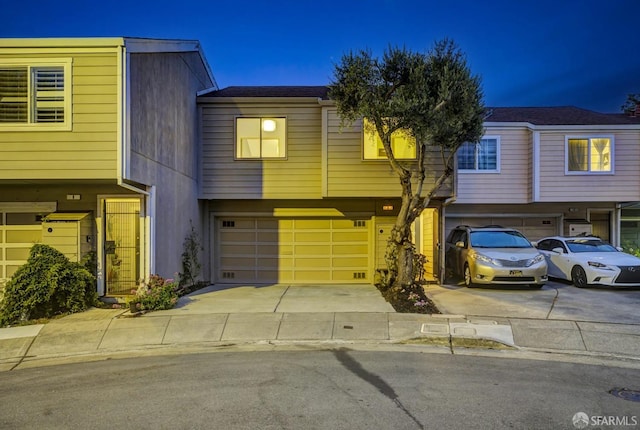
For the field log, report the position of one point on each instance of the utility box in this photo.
(70, 233)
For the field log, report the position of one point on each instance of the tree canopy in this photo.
(431, 96)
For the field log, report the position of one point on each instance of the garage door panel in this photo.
(312, 224)
(238, 236)
(353, 236)
(268, 263)
(312, 263)
(312, 276)
(355, 262)
(24, 236)
(312, 249)
(269, 249)
(268, 236)
(240, 223)
(237, 262)
(315, 237)
(17, 253)
(271, 224)
(235, 249)
(357, 249)
(533, 227)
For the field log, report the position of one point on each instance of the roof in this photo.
(554, 115)
(319, 92)
(559, 115)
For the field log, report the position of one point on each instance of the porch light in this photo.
(268, 125)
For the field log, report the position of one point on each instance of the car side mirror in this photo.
(535, 244)
(460, 244)
(619, 248)
(558, 250)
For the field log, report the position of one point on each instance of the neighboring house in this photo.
(552, 170)
(98, 151)
(292, 196)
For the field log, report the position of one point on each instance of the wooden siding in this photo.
(298, 176)
(513, 183)
(89, 150)
(163, 113)
(348, 175)
(557, 186)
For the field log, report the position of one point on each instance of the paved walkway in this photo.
(329, 314)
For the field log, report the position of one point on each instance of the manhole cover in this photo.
(627, 394)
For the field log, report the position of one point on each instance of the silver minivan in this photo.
(493, 255)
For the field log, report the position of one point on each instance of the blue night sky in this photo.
(584, 53)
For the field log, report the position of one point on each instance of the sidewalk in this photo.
(292, 315)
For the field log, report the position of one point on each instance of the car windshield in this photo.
(589, 245)
(498, 239)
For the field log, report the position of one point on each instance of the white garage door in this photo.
(277, 250)
(533, 227)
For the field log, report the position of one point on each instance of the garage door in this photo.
(18, 233)
(276, 250)
(533, 227)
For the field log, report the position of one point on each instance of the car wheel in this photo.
(467, 277)
(578, 277)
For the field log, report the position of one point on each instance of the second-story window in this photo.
(34, 94)
(483, 156)
(402, 144)
(261, 138)
(589, 154)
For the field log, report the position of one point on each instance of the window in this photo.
(261, 138)
(483, 156)
(589, 154)
(35, 94)
(402, 144)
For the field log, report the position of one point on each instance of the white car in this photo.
(586, 260)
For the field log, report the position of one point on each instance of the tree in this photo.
(632, 104)
(434, 98)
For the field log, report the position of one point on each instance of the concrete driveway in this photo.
(555, 301)
(282, 298)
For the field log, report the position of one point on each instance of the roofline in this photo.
(57, 42)
(256, 100)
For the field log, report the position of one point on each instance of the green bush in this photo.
(157, 294)
(48, 285)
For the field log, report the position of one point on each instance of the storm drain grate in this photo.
(626, 394)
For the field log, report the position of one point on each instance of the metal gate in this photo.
(122, 245)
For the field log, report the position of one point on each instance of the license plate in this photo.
(515, 272)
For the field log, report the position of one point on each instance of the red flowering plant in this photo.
(157, 294)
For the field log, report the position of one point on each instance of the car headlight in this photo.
(485, 259)
(535, 260)
(598, 265)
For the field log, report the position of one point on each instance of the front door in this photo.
(123, 231)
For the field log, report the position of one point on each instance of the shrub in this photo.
(190, 259)
(157, 294)
(47, 285)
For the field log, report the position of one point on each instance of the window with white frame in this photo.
(261, 138)
(403, 145)
(589, 154)
(35, 93)
(482, 156)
